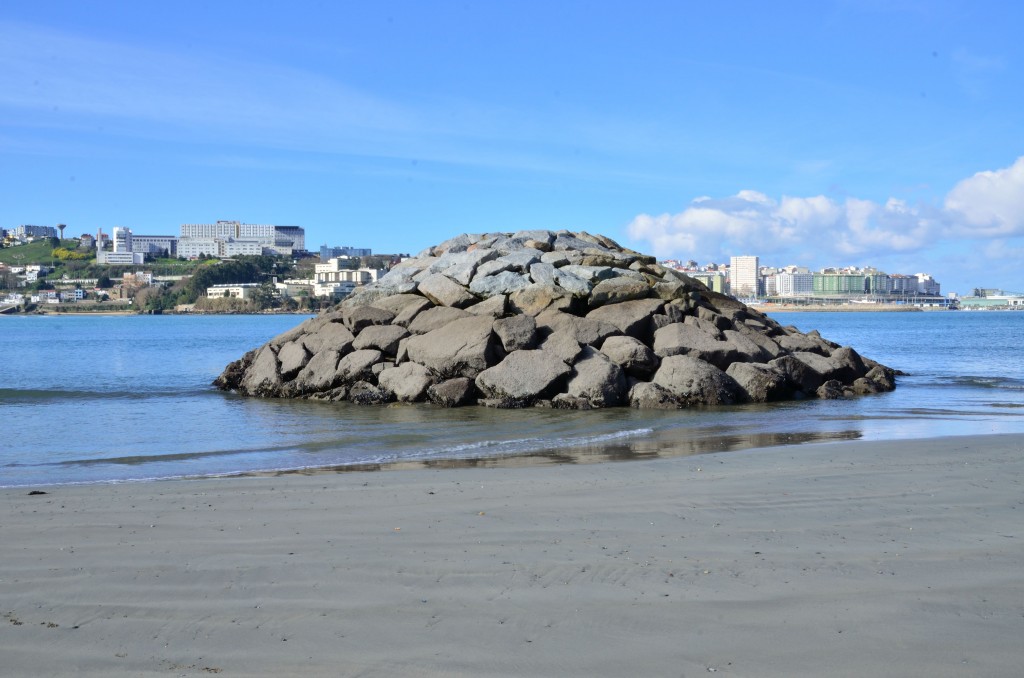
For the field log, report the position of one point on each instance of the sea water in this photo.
(116, 398)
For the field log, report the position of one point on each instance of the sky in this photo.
(885, 133)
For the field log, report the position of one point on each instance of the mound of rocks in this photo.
(544, 318)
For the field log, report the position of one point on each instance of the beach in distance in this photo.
(843, 559)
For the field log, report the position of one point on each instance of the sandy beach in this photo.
(847, 559)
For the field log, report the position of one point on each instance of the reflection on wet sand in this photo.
(630, 450)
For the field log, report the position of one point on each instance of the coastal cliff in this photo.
(546, 318)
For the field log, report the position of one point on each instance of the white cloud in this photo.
(988, 204)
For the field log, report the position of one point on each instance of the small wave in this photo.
(30, 396)
(994, 382)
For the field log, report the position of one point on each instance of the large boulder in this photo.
(635, 357)
(408, 382)
(553, 318)
(444, 291)
(462, 348)
(760, 383)
(524, 376)
(695, 382)
(598, 379)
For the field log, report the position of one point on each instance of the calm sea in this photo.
(116, 398)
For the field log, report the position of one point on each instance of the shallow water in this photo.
(113, 398)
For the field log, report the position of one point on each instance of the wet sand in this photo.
(856, 558)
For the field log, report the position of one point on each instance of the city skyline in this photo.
(827, 134)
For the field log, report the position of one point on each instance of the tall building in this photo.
(232, 238)
(29, 231)
(122, 239)
(789, 284)
(744, 276)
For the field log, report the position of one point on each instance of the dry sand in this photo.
(846, 559)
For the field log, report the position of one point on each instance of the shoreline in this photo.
(853, 558)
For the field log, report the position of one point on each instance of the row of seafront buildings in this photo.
(744, 277)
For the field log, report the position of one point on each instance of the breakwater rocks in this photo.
(544, 318)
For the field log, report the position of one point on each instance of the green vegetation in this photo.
(38, 252)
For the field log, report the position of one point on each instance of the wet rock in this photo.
(408, 382)
(760, 383)
(597, 378)
(647, 395)
(455, 392)
(695, 382)
(523, 376)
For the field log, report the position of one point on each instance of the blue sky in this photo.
(886, 133)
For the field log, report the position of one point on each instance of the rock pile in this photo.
(542, 318)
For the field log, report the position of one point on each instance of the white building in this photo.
(293, 288)
(72, 295)
(233, 238)
(120, 258)
(122, 252)
(236, 291)
(333, 280)
(27, 231)
(794, 284)
(744, 275)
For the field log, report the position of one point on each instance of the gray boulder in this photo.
(334, 336)
(368, 393)
(357, 365)
(292, 357)
(493, 306)
(695, 382)
(537, 298)
(632, 355)
(319, 374)
(632, 318)
(802, 376)
(408, 382)
(453, 392)
(760, 383)
(462, 348)
(435, 318)
(408, 313)
(563, 345)
(647, 395)
(444, 291)
(690, 339)
(516, 332)
(598, 379)
(262, 378)
(505, 282)
(384, 338)
(357, 317)
(523, 376)
(617, 290)
(591, 331)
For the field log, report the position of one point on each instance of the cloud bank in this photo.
(987, 205)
